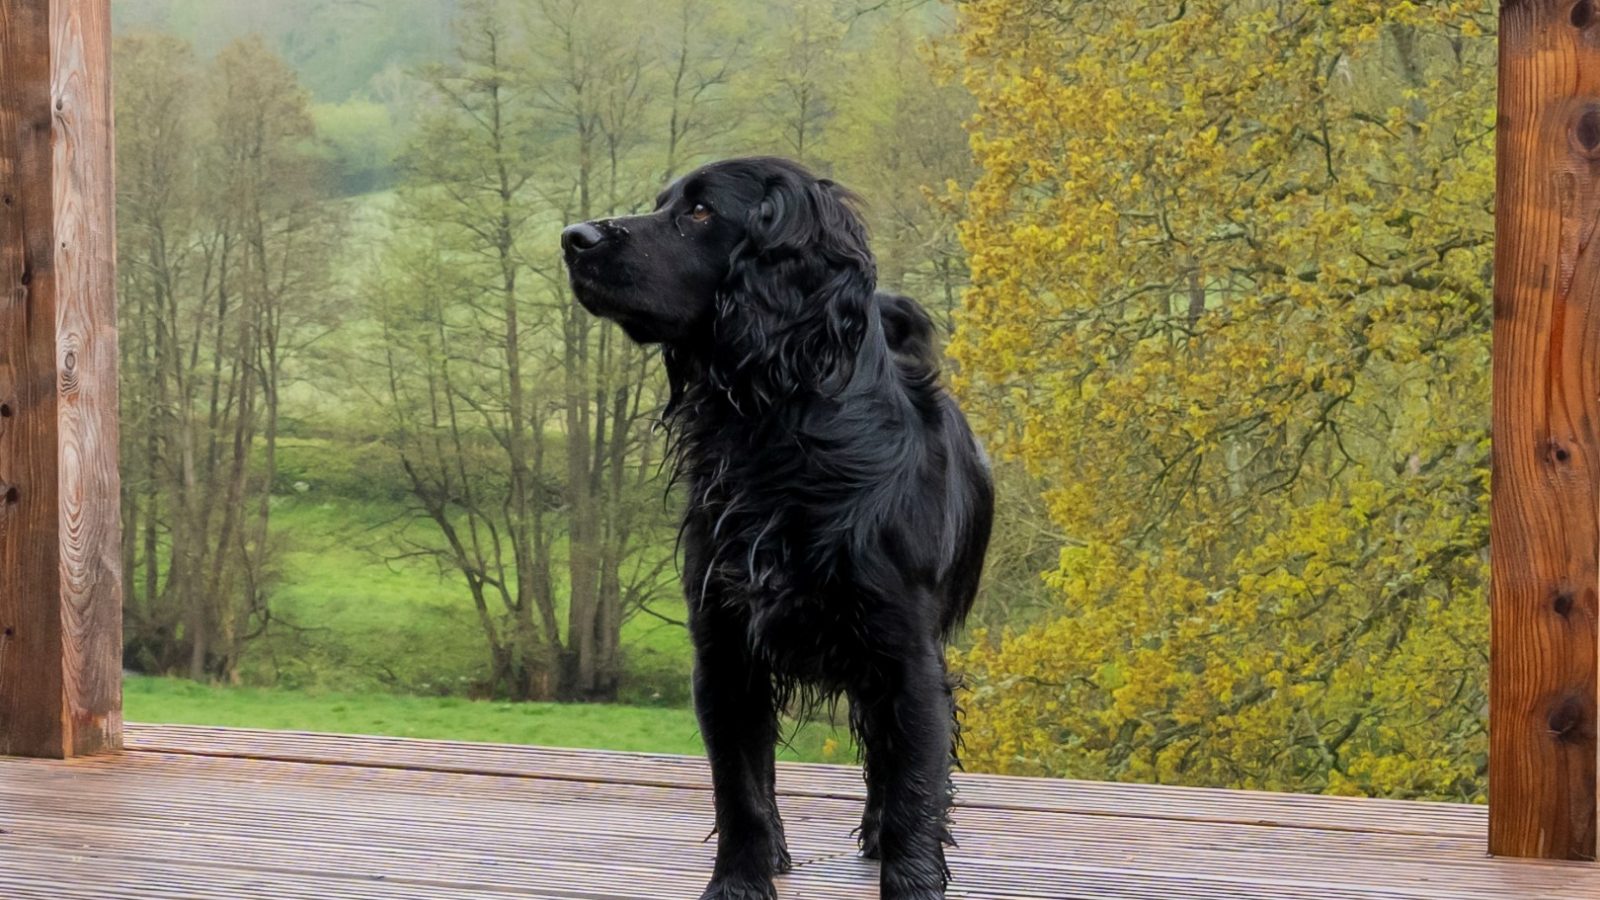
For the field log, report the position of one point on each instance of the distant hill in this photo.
(337, 46)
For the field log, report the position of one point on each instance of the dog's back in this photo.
(913, 339)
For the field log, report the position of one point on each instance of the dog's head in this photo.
(743, 251)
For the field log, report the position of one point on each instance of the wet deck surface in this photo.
(220, 814)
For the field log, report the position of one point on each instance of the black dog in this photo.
(839, 506)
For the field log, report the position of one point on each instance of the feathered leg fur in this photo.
(739, 721)
(906, 726)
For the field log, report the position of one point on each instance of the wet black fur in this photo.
(839, 507)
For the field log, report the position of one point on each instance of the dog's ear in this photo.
(802, 215)
(803, 282)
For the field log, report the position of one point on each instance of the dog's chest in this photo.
(807, 637)
(781, 560)
(775, 525)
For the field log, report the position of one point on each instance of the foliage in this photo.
(797, 103)
(362, 141)
(346, 469)
(1230, 305)
(896, 137)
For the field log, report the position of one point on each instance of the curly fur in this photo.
(838, 506)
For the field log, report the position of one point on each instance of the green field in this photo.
(596, 726)
(351, 615)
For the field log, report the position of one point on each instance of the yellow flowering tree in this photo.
(1230, 304)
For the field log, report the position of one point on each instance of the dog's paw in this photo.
(922, 878)
(740, 889)
(867, 838)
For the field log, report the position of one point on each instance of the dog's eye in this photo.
(700, 213)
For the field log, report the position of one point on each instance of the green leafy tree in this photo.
(523, 422)
(226, 243)
(1230, 305)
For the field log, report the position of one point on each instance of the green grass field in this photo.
(352, 617)
(594, 726)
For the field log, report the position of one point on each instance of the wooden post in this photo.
(60, 583)
(1545, 533)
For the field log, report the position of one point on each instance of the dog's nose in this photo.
(580, 237)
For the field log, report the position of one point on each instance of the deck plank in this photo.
(812, 780)
(211, 813)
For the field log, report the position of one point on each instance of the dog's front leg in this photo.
(872, 815)
(738, 720)
(906, 728)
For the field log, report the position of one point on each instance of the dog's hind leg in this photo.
(738, 720)
(906, 726)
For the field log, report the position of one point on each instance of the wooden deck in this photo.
(218, 814)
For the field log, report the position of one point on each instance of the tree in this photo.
(226, 243)
(1229, 302)
(522, 422)
(457, 323)
(798, 101)
(898, 133)
(156, 219)
(701, 54)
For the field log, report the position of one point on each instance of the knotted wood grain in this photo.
(60, 587)
(1546, 458)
